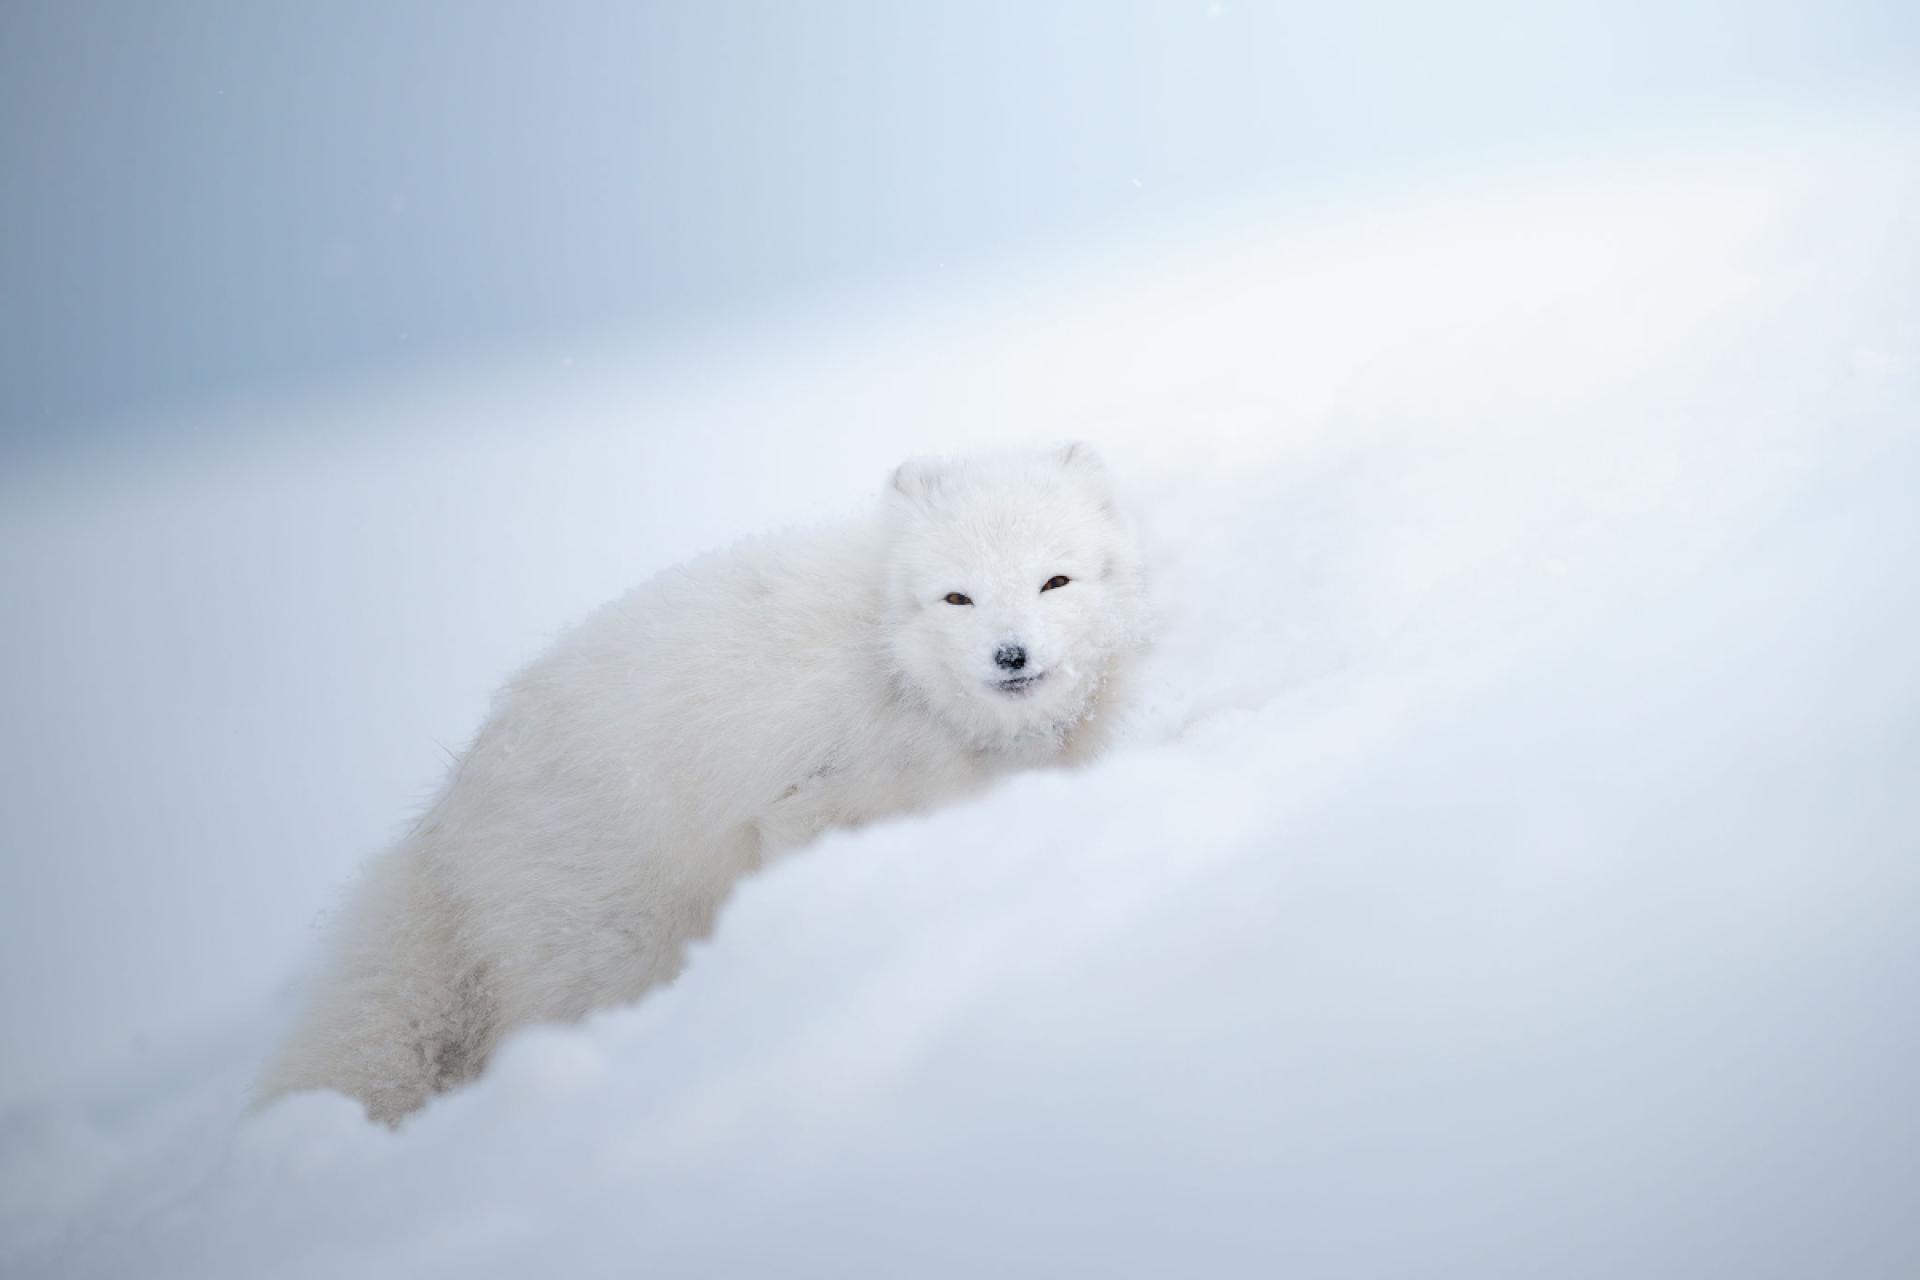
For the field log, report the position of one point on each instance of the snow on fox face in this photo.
(1011, 584)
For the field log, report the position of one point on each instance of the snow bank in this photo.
(1512, 868)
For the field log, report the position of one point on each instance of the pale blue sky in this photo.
(218, 198)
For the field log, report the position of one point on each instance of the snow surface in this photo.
(1513, 867)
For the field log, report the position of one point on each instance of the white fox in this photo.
(727, 710)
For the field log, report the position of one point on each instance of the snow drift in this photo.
(1512, 867)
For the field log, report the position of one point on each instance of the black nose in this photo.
(1010, 657)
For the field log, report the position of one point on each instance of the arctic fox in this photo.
(727, 710)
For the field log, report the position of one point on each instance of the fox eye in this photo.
(954, 597)
(1057, 580)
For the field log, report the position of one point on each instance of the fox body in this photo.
(725, 711)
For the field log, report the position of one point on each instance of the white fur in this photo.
(727, 710)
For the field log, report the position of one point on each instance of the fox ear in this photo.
(1080, 461)
(919, 479)
(1080, 455)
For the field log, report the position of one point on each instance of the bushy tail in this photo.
(398, 1013)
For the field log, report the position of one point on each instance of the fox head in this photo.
(1012, 584)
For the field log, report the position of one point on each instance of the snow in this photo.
(1510, 868)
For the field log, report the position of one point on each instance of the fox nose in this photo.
(1010, 657)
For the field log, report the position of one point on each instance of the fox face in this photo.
(1011, 583)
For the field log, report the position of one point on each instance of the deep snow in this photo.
(1513, 866)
